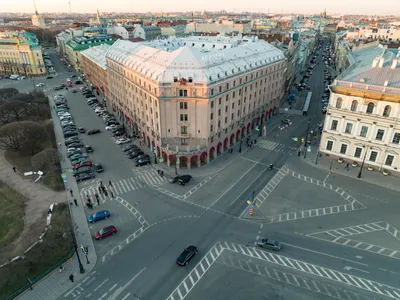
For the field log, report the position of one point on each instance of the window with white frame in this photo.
(358, 152)
(387, 110)
(354, 105)
(389, 160)
(373, 155)
(339, 102)
(329, 145)
(343, 148)
(349, 128)
(334, 125)
(379, 134)
(396, 138)
(370, 108)
(364, 131)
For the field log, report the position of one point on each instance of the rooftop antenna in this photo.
(69, 4)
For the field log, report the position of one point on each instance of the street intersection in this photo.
(339, 235)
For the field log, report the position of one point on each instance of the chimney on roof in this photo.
(381, 61)
(394, 63)
(375, 62)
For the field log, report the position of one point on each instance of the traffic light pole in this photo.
(305, 141)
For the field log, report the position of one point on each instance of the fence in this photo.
(40, 277)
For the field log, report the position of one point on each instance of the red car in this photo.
(87, 163)
(105, 232)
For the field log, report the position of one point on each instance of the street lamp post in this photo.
(362, 164)
(155, 158)
(241, 138)
(81, 269)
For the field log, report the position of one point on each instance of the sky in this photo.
(382, 7)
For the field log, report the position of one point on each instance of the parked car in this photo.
(111, 127)
(187, 254)
(70, 133)
(134, 154)
(269, 244)
(84, 176)
(40, 84)
(105, 232)
(286, 121)
(74, 145)
(83, 163)
(81, 171)
(182, 179)
(78, 161)
(93, 131)
(98, 167)
(78, 82)
(82, 130)
(142, 156)
(78, 156)
(122, 141)
(143, 161)
(129, 147)
(88, 149)
(99, 215)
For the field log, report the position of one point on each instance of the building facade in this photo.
(362, 125)
(192, 98)
(93, 62)
(147, 33)
(78, 44)
(227, 26)
(21, 53)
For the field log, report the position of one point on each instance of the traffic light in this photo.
(302, 140)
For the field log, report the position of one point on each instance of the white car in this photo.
(122, 141)
(66, 118)
(73, 149)
(63, 114)
(111, 127)
(40, 84)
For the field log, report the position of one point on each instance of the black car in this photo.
(89, 149)
(129, 147)
(187, 254)
(58, 87)
(82, 170)
(132, 155)
(84, 176)
(71, 140)
(182, 180)
(144, 161)
(93, 131)
(70, 133)
(112, 122)
(118, 133)
(78, 82)
(74, 145)
(89, 95)
(49, 77)
(73, 76)
(142, 156)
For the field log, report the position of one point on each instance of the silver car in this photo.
(269, 244)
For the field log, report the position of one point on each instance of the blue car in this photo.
(102, 214)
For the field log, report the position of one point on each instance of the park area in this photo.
(32, 242)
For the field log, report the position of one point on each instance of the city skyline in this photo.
(358, 7)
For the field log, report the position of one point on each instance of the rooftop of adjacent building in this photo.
(202, 58)
(97, 54)
(11, 38)
(84, 42)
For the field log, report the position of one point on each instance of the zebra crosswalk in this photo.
(126, 185)
(273, 146)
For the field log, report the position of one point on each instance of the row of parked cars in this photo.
(81, 165)
(135, 153)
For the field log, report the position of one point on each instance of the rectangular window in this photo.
(349, 128)
(183, 129)
(212, 92)
(364, 131)
(212, 104)
(334, 125)
(184, 117)
(357, 153)
(329, 145)
(379, 134)
(226, 108)
(343, 149)
(183, 105)
(219, 112)
(211, 128)
(373, 156)
(211, 116)
(389, 160)
(233, 95)
(227, 97)
(226, 120)
(184, 93)
(219, 101)
(396, 138)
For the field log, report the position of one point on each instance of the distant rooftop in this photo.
(19, 37)
(97, 54)
(82, 43)
(202, 58)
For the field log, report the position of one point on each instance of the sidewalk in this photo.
(57, 283)
(330, 164)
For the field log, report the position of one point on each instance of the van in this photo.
(14, 77)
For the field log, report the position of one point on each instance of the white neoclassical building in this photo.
(192, 98)
(363, 118)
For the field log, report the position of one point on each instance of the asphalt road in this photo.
(156, 221)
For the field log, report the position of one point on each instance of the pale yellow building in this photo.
(363, 118)
(193, 98)
(20, 53)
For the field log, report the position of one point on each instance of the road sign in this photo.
(154, 148)
(309, 149)
(64, 177)
(302, 140)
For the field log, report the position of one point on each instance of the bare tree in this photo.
(10, 136)
(7, 93)
(15, 109)
(46, 160)
(25, 136)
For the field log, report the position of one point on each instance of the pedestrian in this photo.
(76, 202)
(87, 205)
(299, 153)
(101, 183)
(14, 169)
(140, 143)
(97, 199)
(90, 205)
(109, 183)
(255, 141)
(112, 194)
(347, 167)
(61, 268)
(105, 192)
(71, 192)
(100, 190)
(71, 277)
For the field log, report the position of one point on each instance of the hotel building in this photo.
(363, 118)
(192, 98)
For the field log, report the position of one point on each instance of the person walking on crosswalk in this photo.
(97, 198)
(111, 194)
(109, 183)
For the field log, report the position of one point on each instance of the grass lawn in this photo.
(23, 164)
(11, 214)
(56, 245)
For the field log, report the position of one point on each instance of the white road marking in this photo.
(121, 289)
(126, 296)
(348, 268)
(100, 285)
